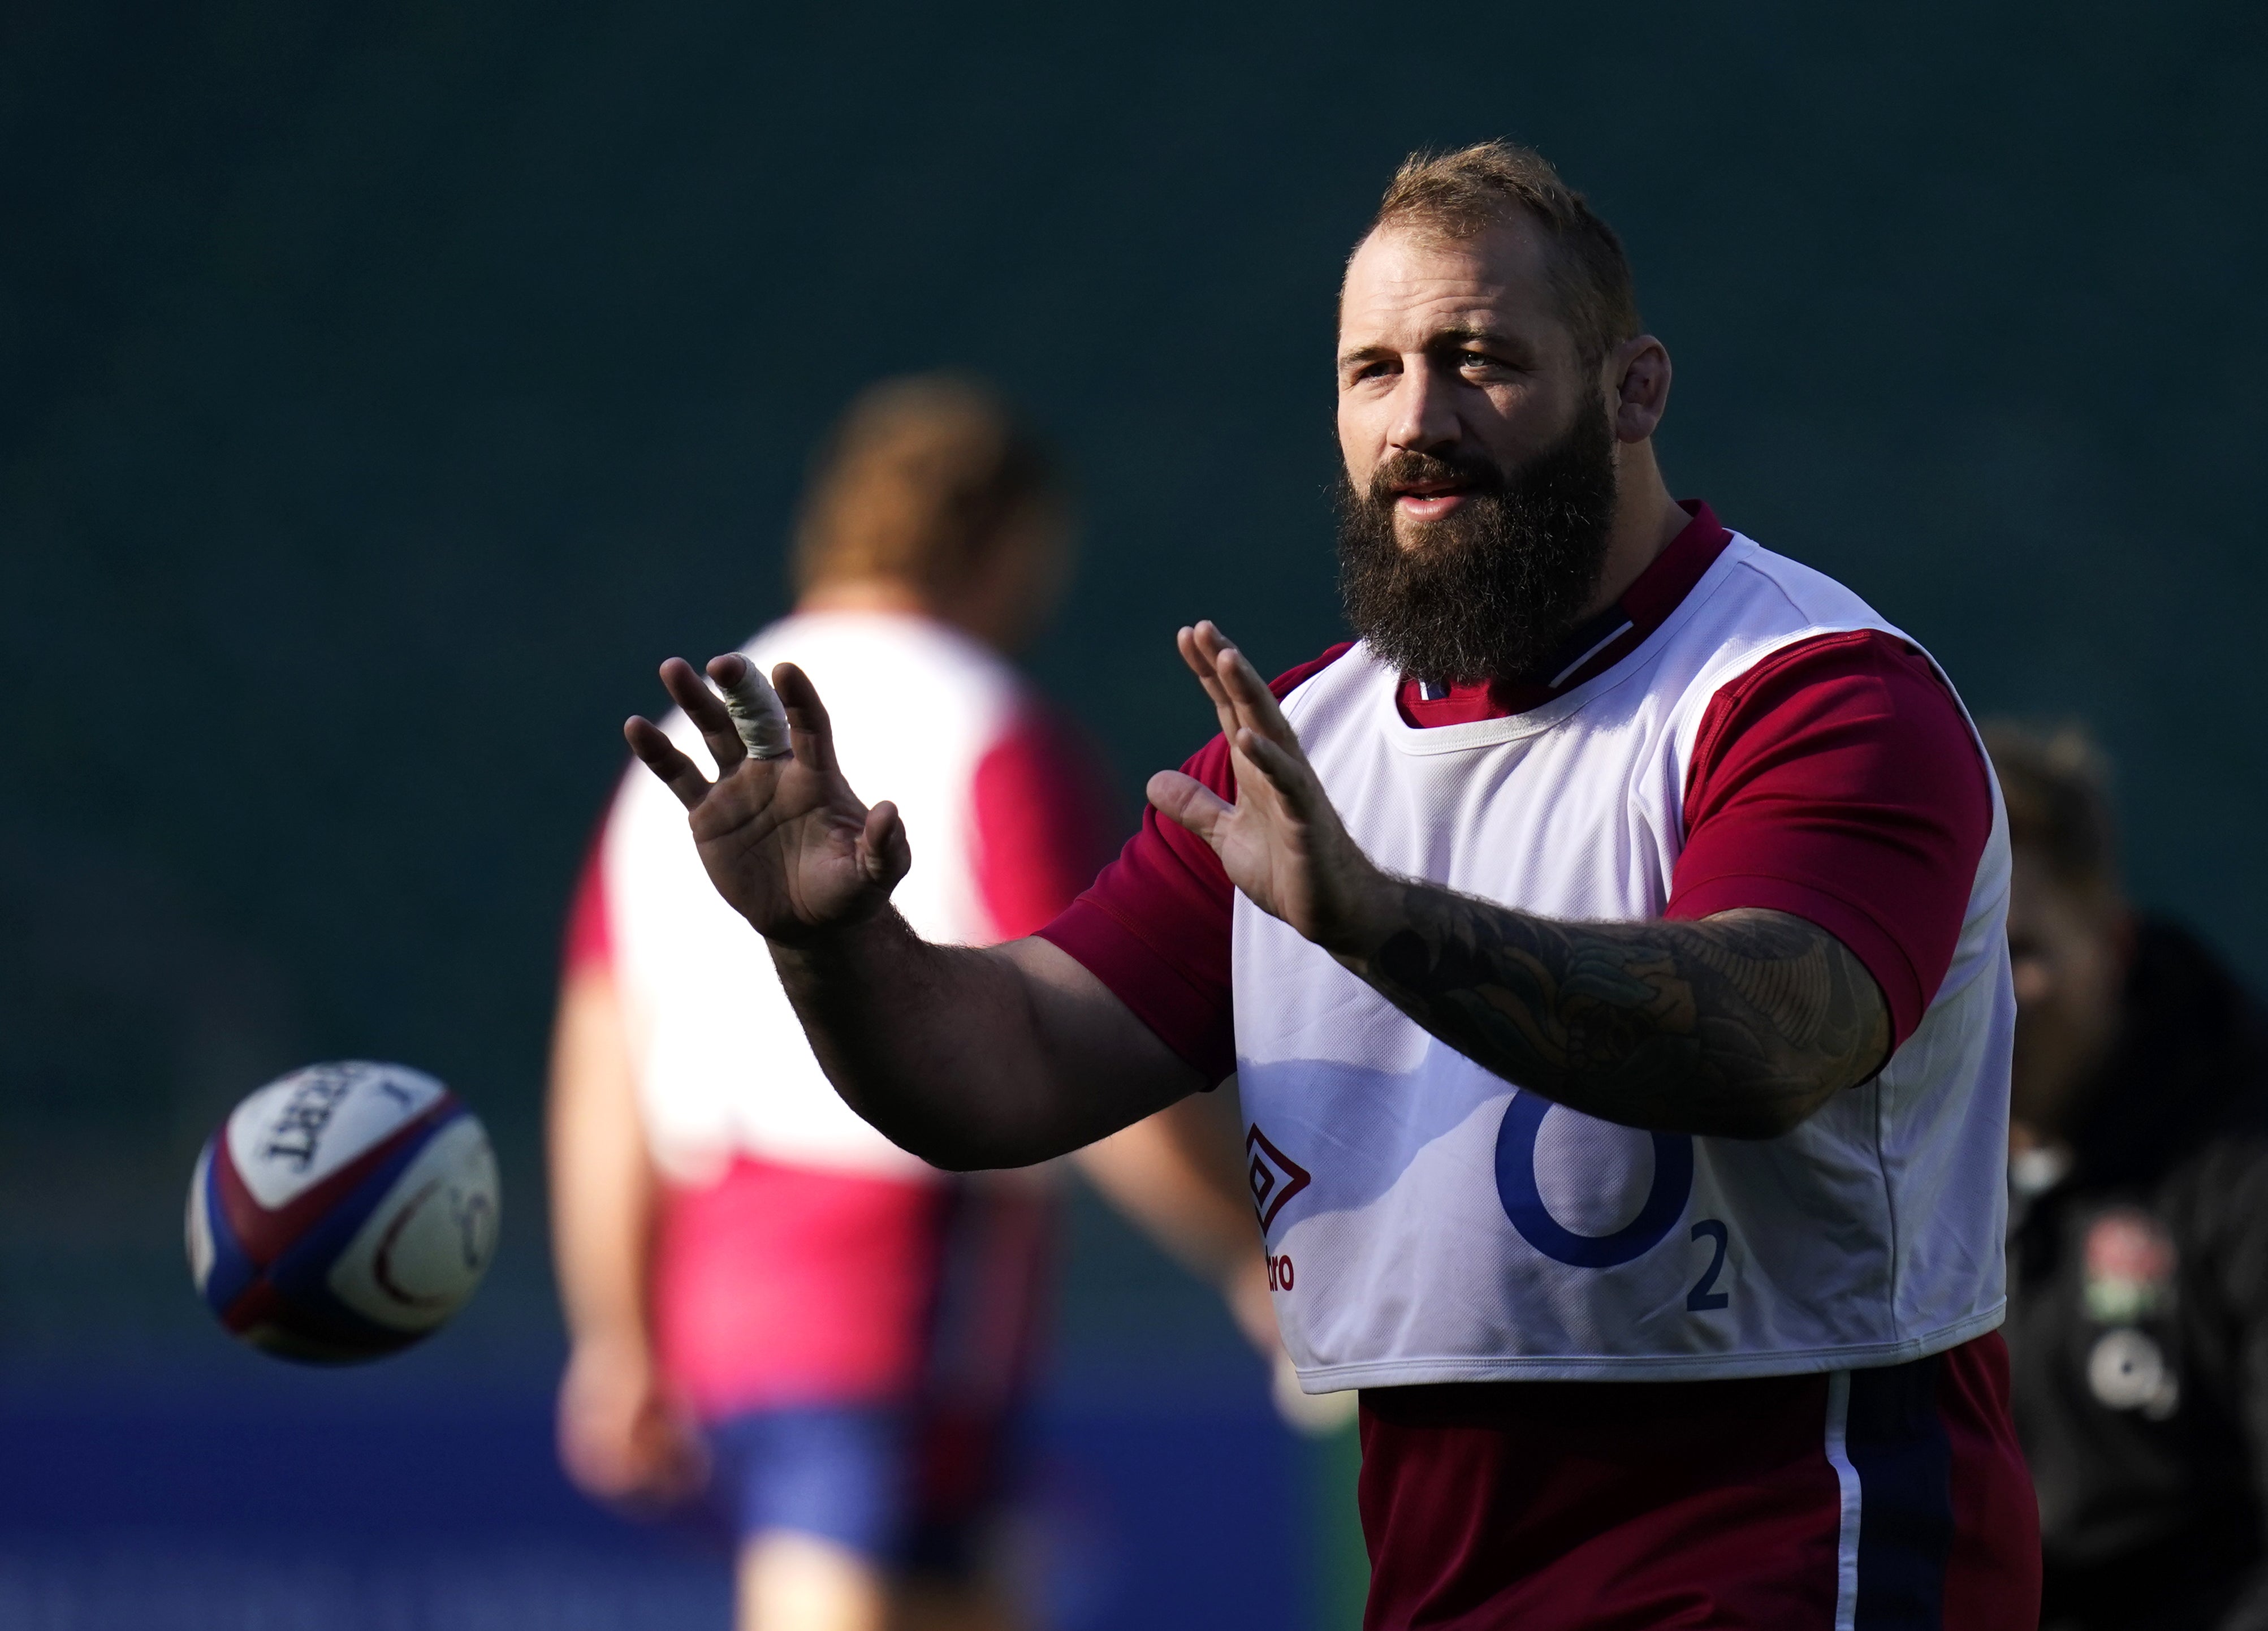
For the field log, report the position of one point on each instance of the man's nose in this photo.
(1424, 411)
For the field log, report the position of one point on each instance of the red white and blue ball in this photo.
(343, 1212)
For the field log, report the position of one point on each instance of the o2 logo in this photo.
(1665, 1204)
(1523, 1203)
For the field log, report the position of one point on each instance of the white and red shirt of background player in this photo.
(800, 1257)
(1737, 732)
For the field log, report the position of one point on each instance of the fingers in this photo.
(1241, 697)
(1257, 707)
(1206, 644)
(810, 732)
(1200, 660)
(681, 774)
(1287, 772)
(1188, 802)
(885, 853)
(1199, 646)
(707, 711)
(757, 716)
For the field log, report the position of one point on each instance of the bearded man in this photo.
(1608, 946)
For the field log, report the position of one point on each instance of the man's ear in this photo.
(1637, 372)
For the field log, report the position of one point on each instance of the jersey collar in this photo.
(1597, 646)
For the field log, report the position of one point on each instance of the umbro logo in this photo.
(1274, 1176)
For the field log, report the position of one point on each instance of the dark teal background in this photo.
(384, 391)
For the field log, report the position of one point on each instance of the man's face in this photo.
(1448, 349)
(1479, 456)
(2069, 951)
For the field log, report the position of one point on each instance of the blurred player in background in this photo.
(2138, 1317)
(764, 1294)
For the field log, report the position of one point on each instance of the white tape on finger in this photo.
(757, 714)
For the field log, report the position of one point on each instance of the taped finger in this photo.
(757, 714)
(707, 712)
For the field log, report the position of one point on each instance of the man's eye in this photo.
(1476, 359)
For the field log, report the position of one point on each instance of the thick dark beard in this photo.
(1491, 592)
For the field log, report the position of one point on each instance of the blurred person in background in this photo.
(2138, 1323)
(765, 1296)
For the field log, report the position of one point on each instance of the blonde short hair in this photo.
(1460, 195)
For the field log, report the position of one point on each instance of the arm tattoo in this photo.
(1739, 1025)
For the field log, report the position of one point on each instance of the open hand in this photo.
(1281, 842)
(785, 841)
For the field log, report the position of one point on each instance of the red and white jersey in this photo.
(1742, 732)
(1453, 1228)
(1810, 761)
(924, 716)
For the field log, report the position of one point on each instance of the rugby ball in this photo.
(343, 1212)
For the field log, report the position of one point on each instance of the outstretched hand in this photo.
(785, 841)
(1281, 842)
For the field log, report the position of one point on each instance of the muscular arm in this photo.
(1740, 1025)
(973, 1058)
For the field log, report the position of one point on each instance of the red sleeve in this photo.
(1043, 821)
(1838, 780)
(1155, 927)
(590, 937)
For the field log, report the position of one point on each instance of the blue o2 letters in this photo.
(1516, 1186)
(1704, 1296)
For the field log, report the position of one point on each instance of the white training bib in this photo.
(1428, 1222)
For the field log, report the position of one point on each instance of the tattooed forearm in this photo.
(1739, 1025)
